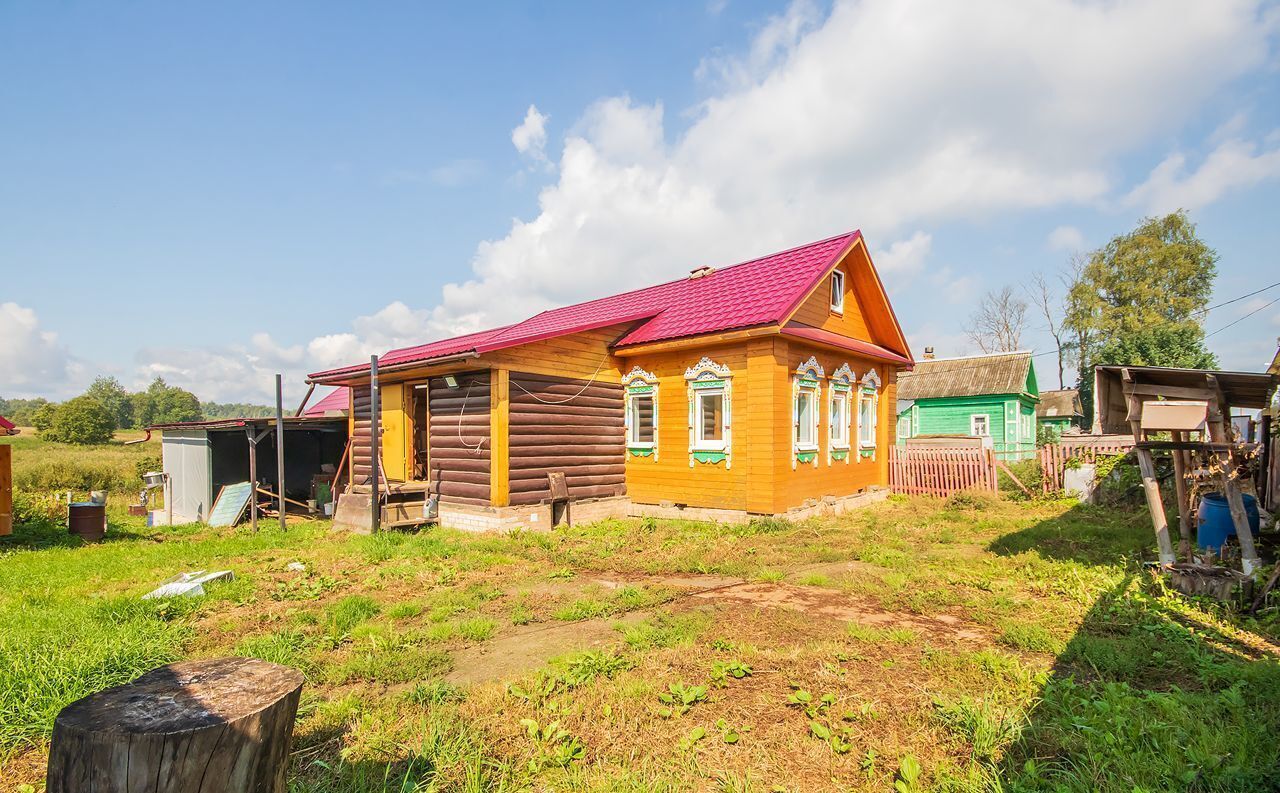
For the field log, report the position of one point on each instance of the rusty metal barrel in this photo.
(87, 519)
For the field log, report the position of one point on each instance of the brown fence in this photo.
(941, 472)
(1085, 449)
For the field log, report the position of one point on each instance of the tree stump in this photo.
(193, 727)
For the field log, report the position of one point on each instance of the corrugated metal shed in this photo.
(998, 373)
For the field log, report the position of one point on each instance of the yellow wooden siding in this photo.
(831, 477)
(578, 355)
(499, 438)
(816, 311)
(669, 477)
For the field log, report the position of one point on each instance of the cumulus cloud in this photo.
(33, 362)
(1231, 165)
(1066, 238)
(947, 112)
(530, 138)
(904, 256)
(888, 115)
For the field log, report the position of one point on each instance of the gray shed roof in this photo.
(1057, 404)
(976, 375)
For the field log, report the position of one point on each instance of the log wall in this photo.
(459, 438)
(563, 424)
(361, 447)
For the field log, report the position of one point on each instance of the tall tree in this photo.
(113, 397)
(1136, 300)
(998, 322)
(1042, 295)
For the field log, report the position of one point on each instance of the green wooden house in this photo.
(1060, 410)
(989, 396)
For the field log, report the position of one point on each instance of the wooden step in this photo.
(404, 513)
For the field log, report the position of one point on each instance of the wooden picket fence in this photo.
(1085, 448)
(941, 472)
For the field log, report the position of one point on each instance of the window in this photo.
(837, 291)
(867, 420)
(710, 420)
(640, 420)
(980, 425)
(806, 420)
(839, 420)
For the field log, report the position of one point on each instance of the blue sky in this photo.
(215, 194)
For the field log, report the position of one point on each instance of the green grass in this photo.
(41, 466)
(1091, 675)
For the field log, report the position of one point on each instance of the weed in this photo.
(664, 630)
(404, 611)
(815, 579)
(730, 734)
(477, 629)
(771, 576)
(988, 729)
(1029, 637)
(721, 671)
(555, 746)
(680, 698)
(436, 692)
(908, 778)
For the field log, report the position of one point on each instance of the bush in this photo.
(82, 421)
(1029, 474)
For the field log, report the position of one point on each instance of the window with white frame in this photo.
(640, 420)
(837, 291)
(867, 420)
(980, 425)
(710, 423)
(806, 419)
(641, 389)
(710, 402)
(868, 413)
(839, 420)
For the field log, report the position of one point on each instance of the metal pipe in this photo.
(280, 447)
(253, 475)
(375, 447)
(302, 406)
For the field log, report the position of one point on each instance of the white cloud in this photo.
(530, 138)
(904, 256)
(1066, 238)
(949, 111)
(888, 115)
(33, 362)
(1233, 164)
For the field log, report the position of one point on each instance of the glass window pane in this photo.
(804, 417)
(711, 407)
(642, 419)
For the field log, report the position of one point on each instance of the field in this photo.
(965, 645)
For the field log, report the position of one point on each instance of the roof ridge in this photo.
(978, 355)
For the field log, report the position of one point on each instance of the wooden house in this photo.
(1061, 410)
(992, 397)
(761, 388)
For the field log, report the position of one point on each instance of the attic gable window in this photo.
(837, 291)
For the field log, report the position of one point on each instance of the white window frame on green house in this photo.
(639, 385)
(986, 424)
(708, 380)
(806, 389)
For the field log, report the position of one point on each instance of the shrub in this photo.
(82, 421)
(1029, 474)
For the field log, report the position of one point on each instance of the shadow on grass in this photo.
(1154, 691)
(40, 534)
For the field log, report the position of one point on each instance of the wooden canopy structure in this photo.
(1193, 406)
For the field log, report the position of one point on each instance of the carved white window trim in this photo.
(634, 384)
(807, 379)
(707, 376)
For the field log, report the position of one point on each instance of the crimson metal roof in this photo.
(758, 292)
(337, 399)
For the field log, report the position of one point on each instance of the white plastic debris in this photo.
(188, 584)
(296, 567)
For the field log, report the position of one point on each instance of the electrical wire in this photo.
(462, 412)
(1238, 299)
(1246, 316)
(590, 382)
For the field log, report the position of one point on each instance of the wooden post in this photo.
(499, 438)
(253, 476)
(1218, 410)
(221, 725)
(6, 490)
(375, 448)
(279, 449)
(1184, 498)
(1150, 485)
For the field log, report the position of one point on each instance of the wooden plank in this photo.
(500, 443)
(6, 490)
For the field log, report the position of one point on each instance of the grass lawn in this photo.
(959, 646)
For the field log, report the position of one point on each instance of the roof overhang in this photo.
(1249, 390)
(290, 423)
(825, 338)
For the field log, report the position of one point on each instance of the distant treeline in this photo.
(160, 403)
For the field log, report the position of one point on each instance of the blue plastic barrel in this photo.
(1213, 524)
